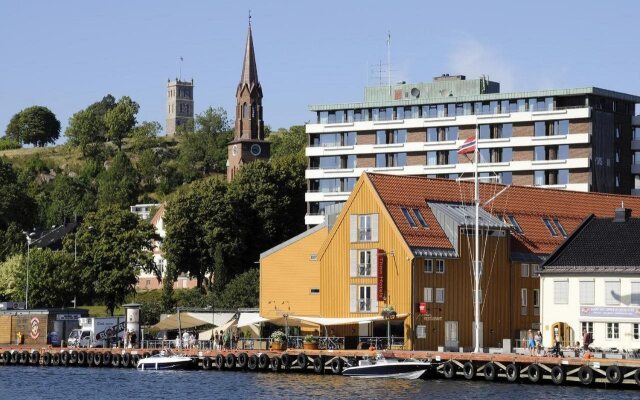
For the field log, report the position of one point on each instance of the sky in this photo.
(68, 54)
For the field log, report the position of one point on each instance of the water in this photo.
(18, 383)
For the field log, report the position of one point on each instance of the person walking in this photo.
(586, 339)
(538, 341)
(531, 343)
(215, 340)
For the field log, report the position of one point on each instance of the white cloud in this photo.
(471, 58)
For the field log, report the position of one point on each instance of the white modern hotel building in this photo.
(582, 139)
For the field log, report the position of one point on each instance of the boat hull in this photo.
(165, 363)
(408, 370)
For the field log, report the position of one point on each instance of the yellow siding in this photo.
(334, 260)
(287, 276)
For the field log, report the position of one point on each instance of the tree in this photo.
(286, 142)
(242, 291)
(16, 206)
(69, 198)
(120, 120)
(87, 127)
(145, 136)
(148, 167)
(12, 271)
(53, 278)
(118, 185)
(12, 241)
(35, 125)
(113, 245)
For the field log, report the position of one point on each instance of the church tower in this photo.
(248, 143)
(179, 105)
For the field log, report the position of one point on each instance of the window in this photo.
(420, 218)
(539, 128)
(535, 270)
(440, 266)
(550, 227)
(636, 331)
(439, 295)
(428, 295)
(536, 298)
(428, 266)
(406, 214)
(560, 227)
(515, 224)
(523, 301)
(524, 270)
(561, 292)
(561, 127)
(364, 227)
(364, 263)
(612, 293)
(587, 292)
(635, 293)
(315, 291)
(613, 330)
(364, 298)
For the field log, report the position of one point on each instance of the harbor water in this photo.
(20, 383)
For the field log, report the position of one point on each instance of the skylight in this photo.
(408, 217)
(550, 227)
(515, 224)
(560, 227)
(420, 218)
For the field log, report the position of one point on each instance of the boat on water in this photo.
(382, 367)
(165, 360)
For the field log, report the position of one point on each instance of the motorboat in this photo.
(382, 367)
(165, 360)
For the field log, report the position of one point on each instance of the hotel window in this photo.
(432, 158)
(315, 291)
(523, 301)
(535, 270)
(539, 153)
(484, 131)
(563, 152)
(587, 292)
(524, 270)
(561, 292)
(451, 133)
(515, 224)
(428, 265)
(636, 331)
(539, 128)
(635, 293)
(506, 177)
(364, 227)
(439, 266)
(432, 135)
(410, 220)
(391, 137)
(550, 227)
(561, 127)
(439, 295)
(539, 178)
(453, 157)
(420, 218)
(563, 232)
(612, 293)
(364, 263)
(364, 298)
(506, 130)
(428, 295)
(385, 160)
(613, 330)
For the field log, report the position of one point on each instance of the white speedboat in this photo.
(387, 368)
(165, 360)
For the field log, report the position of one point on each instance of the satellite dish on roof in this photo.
(415, 92)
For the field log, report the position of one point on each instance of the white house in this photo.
(592, 282)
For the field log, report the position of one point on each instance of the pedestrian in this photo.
(215, 340)
(531, 343)
(538, 340)
(586, 339)
(234, 340)
(185, 339)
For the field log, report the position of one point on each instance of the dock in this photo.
(445, 365)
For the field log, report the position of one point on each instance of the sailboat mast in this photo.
(476, 261)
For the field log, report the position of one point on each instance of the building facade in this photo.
(580, 139)
(248, 143)
(407, 242)
(179, 105)
(592, 283)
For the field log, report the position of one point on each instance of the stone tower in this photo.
(248, 143)
(179, 104)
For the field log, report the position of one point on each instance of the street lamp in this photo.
(26, 290)
(389, 313)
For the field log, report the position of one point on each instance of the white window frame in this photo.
(635, 331)
(362, 266)
(613, 330)
(440, 266)
(610, 300)
(364, 228)
(364, 303)
(556, 295)
(428, 295)
(634, 297)
(428, 262)
(524, 270)
(535, 270)
(583, 298)
(440, 295)
(588, 325)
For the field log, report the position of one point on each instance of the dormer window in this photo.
(550, 227)
(561, 229)
(408, 217)
(420, 218)
(514, 224)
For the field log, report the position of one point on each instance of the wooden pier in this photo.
(447, 365)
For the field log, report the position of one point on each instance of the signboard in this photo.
(610, 312)
(382, 275)
(68, 317)
(35, 328)
(421, 331)
(423, 308)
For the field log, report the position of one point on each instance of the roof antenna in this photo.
(249, 17)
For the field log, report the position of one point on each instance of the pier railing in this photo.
(382, 342)
(324, 343)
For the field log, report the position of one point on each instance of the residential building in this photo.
(577, 139)
(144, 211)
(248, 143)
(179, 105)
(407, 242)
(592, 282)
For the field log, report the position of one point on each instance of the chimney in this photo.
(622, 214)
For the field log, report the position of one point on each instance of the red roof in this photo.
(527, 204)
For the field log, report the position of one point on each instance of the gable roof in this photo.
(599, 245)
(528, 205)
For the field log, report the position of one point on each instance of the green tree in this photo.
(69, 198)
(16, 206)
(9, 144)
(149, 169)
(242, 291)
(120, 120)
(35, 125)
(113, 245)
(53, 278)
(287, 142)
(118, 185)
(145, 136)
(167, 288)
(12, 272)
(12, 241)
(87, 128)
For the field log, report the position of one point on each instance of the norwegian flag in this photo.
(469, 146)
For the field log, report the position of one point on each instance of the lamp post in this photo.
(26, 291)
(389, 313)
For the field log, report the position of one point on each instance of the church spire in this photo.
(249, 75)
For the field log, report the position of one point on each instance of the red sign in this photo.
(423, 308)
(382, 278)
(35, 328)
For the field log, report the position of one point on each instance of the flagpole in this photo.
(476, 261)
